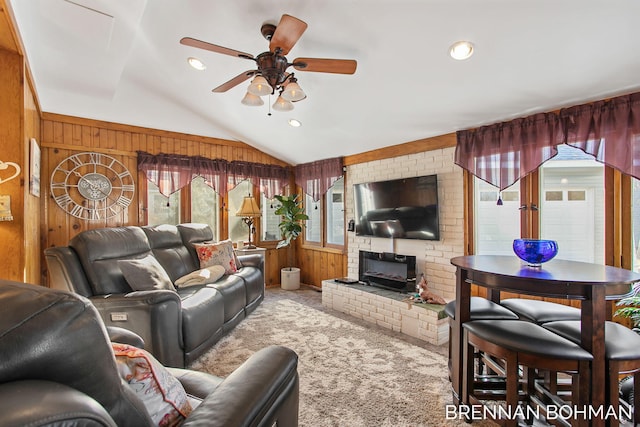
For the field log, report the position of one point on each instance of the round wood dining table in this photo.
(592, 284)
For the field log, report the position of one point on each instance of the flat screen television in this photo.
(405, 208)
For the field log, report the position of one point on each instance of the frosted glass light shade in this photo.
(252, 100)
(259, 86)
(282, 104)
(292, 92)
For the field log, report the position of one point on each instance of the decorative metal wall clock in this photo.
(92, 186)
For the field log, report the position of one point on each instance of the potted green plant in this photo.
(293, 217)
(629, 308)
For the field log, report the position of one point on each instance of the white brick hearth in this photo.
(387, 309)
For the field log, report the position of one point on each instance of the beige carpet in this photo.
(351, 373)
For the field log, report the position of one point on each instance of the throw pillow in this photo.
(162, 394)
(218, 253)
(145, 274)
(201, 277)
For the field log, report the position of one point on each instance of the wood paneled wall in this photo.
(11, 141)
(19, 122)
(63, 136)
(317, 265)
(32, 221)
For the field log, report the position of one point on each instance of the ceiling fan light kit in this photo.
(252, 100)
(271, 75)
(282, 104)
(292, 91)
(259, 87)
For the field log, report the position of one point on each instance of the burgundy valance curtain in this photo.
(608, 130)
(270, 178)
(317, 177)
(170, 172)
(504, 152)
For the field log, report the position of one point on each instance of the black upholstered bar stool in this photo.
(540, 312)
(518, 345)
(622, 352)
(479, 309)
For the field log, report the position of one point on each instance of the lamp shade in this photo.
(249, 208)
(252, 100)
(259, 86)
(292, 92)
(282, 104)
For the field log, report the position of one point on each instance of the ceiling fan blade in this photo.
(188, 41)
(234, 81)
(322, 65)
(287, 33)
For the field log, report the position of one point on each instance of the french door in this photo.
(564, 200)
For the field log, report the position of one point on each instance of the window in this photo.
(325, 226)
(196, 202)
(204, 204)
(313, 230)
(572, 205)
(238, 230)
(497, 225)
(635, 224)
(563, 201)
(162, 209)
(269, 221)
(335, 213)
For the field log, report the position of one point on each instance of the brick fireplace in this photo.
(387, 308)
(432, 256)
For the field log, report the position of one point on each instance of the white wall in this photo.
(432, 257)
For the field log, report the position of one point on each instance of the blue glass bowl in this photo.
(534, 252)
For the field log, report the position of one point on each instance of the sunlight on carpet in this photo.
(350, 374)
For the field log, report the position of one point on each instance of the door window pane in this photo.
(161, 209)
(635, 223)
(204, 205)
(496, 226)
(313, 230)
(335, 213)
(269, 220)
(238, 230)
(572, 206)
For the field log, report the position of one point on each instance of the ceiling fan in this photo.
(271, 73)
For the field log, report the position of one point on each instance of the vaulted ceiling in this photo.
(122, 61)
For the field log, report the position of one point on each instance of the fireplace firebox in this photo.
(388, 270)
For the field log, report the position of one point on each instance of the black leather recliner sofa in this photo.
(58, 369)
(176, 326)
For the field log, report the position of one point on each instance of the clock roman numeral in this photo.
(63, 199)
(95, 157)
(123, 201)
(77, 211)
(76, 161)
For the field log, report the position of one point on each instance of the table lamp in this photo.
(248, 211)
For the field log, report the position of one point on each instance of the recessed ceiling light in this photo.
(197, 64)
(295, 123)
(461, 50)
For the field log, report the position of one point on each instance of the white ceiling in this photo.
(121, 61)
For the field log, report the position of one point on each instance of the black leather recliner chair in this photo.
(57, 368)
